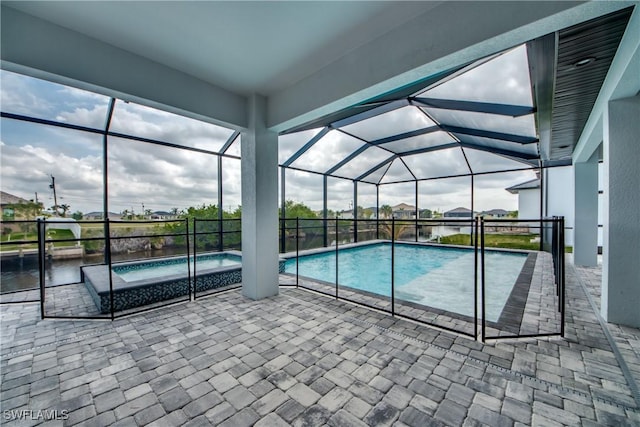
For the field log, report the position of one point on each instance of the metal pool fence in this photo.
(534, 307)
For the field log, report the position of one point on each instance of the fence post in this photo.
(41, 261)
(186, 221)
(475, 277)
(108, 249)
(562, 278)
(325, 226)
(220, 235)
(297, 250)
(482, 296)
(355, 228)
(337, 257)
(393, 262)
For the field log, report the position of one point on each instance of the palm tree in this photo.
(386, 211)
(65, 208)
(399, 228)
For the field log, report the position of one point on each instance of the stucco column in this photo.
(621, 243)
(585, 243)
(259, 204)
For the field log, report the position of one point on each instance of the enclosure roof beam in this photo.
(348, 159)
(428, 149)
(376, 167)
(405, 135)
(384, 108)
(489, 134)
(227, 144)
(500, 151)
(308, 145)
(478, 107)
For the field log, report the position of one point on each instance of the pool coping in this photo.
(315, 251)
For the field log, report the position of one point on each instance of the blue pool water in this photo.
(168, 267)
(433, 276)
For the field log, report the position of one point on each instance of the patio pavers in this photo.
(305, 359)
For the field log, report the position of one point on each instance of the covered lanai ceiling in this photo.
(520, 108)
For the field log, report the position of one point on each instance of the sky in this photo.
(152, 177)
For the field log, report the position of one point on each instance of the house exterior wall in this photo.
(529, 203)
(560, 198)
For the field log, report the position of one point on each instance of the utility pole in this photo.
(36, 197)
(55, 198)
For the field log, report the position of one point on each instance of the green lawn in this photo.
(52, 234)
(508, 241)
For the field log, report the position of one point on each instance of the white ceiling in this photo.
(245, 47)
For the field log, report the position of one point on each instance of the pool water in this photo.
(437, 277)
(162, 268)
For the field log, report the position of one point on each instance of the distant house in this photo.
(404, 211)
(345, 214)
(97, 216)
(528, 198)
(163, 215)
(496, 213)
(459, 212)
(7, 201)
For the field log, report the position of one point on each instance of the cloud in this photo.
(94, 117)
(394, 122)
(17, 96)
(39, 98)
(138, 120)
(504, 79)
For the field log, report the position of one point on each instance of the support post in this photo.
(105, 178)
(259, 165)
(621, 269)
(585, 245)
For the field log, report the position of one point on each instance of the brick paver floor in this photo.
(304, 359)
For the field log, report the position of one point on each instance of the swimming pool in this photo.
(167, 267)
(138, 283)
(438, 277)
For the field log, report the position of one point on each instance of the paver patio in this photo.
(304, 359)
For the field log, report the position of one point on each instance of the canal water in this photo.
(23, 273)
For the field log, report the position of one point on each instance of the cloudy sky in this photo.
(162, 178)
(157, 177)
